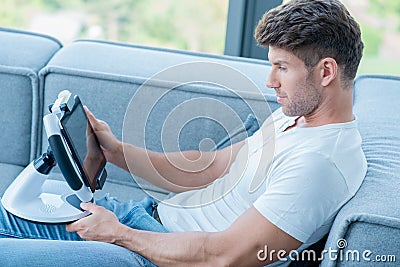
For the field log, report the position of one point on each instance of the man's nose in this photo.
(271, 81)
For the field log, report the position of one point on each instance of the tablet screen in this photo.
(83, 143)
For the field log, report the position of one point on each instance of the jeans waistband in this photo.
(155, 215)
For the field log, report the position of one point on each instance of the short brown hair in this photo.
(312, 30)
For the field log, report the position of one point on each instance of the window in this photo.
(195, 25)
(181, 24)
(379, 21)
(380, 28)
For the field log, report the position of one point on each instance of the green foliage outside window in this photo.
(196, 25)
(181, 24)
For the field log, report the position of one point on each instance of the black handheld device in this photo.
(84, 146)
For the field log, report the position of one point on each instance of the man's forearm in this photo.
(176, 171)
(173, 249)
(238, 245)
(164, 249)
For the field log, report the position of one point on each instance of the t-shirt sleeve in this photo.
(302, 194)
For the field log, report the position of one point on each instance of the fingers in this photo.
(90, 115)
(96, 123)
(78, 225)
(88, 112)
(89, 206)
(73, 227)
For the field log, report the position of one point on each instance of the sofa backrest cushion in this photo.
(22, 55)
(377, 110)
(377, 202)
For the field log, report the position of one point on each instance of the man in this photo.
(318, 165)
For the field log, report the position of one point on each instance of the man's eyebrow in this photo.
(279, 62)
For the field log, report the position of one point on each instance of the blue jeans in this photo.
(25, 243)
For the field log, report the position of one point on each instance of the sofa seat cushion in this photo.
(122, 189)
(7, 174)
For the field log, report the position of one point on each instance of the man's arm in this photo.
(174, 171)
(178, 171)
(242, 244)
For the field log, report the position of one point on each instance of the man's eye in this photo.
(282, 68)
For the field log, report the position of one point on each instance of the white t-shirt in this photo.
(297, 179)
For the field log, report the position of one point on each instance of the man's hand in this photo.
(108, 142)
(101, 225)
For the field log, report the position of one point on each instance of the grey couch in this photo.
(125, 85)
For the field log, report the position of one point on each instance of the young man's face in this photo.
(293, 84)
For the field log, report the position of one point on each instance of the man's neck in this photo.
(335, 109)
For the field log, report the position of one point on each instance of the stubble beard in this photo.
(304, 102)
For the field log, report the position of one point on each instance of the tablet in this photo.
(84, 145)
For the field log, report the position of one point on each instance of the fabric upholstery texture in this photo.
(22, 55)
(7, 173)
(371, 220)
(249, 127)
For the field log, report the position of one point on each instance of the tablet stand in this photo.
(33, 196)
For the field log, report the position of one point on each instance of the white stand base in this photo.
(52, 202)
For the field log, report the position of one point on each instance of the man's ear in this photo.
(328, 70)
